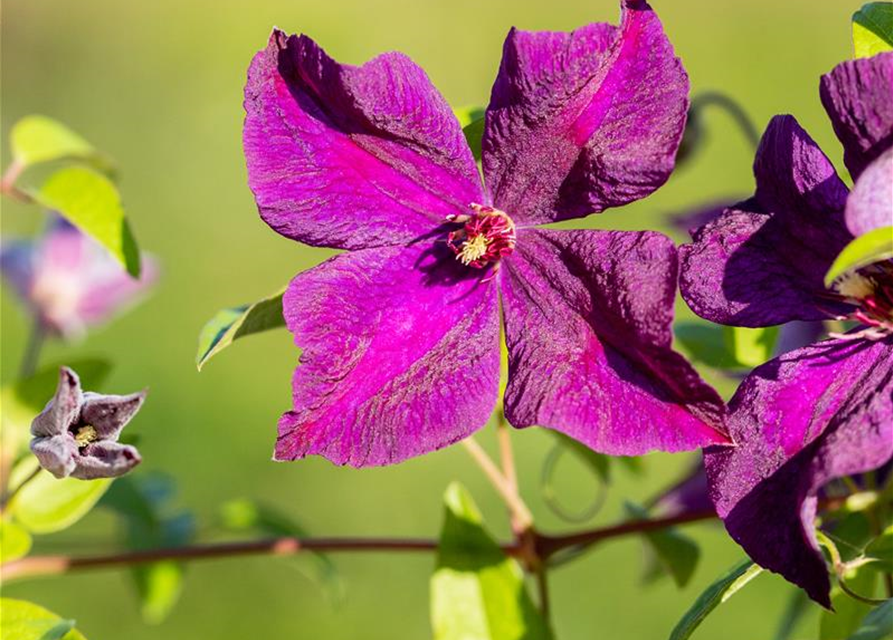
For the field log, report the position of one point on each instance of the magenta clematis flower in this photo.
(401, 333)
(825, 410)
(69, 281)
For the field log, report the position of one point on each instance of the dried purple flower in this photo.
(826, 410)
(400, 335)
(77, 433)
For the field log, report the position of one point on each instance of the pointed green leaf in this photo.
(472, 121)
(677, 553)
(92, 203)
(881, 551)
(45, 504)
(23, 620)
(877, 625)
(873, 29)
(231, 324)
(874, 246)
(35, 139)
(716, 594)
(15, 541)
(477, 591)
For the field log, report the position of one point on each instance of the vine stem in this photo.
(31, 356)
(521, 515)
(7, 498)
(47, 565)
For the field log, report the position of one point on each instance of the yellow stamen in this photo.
(473, 249)
(854, 286)
(85, 435)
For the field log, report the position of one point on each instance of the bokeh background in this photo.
(158, 86)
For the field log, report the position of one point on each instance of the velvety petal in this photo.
(856, 95)
(587, 320)
(110, 414)
(582, 121)
(351, 157)
(56, 454)
(63, 410)
(400, 355)
(105, 460)
(870, 205)
(763, 262)
(811, 415)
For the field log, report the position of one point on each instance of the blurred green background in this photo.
(158, 85)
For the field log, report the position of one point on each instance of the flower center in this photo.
(85, 435)
(871, 290)
(487, 235)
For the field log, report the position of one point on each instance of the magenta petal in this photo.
(811, 415)
(582, 121)
(870, 205)
(587, 319)
(351, 157)
(856, 95)
(763, 262)
(401, 356)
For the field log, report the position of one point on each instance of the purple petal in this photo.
(582, 121)
(110, 414)
(63, 410)
(105, 460)
(351, 157)
(870, 205)
(763, 262)
(401, 356)
(587, 320)
(856, 95)
(17, 265)
(56, 454)
(801, 420)
(110, 289)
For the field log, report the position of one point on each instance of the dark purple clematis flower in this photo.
(77, 433)
(825, 410)
(400, 334)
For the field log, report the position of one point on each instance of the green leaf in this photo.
(750, 347)
(23, 620)
(472, 121)
(15, 541)
(35, 139)
(877, 625)
(91, 202)
(848, 612)
(677, 553)
(881, 551)
(874, 246)
(873, 29)
(45, 504)
(477, 591)
(244, 515)
(716, 594)
(231, 324)
(143, 503)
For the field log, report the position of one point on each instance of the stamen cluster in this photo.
(871, 290)
(487, 236)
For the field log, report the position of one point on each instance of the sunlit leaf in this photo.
(15, 541)
(231, 324)
(873, 29)
(35, 139)
(23, 620)
(45, 504)
(727, 348)
(477, 591)
(472, 121)
(750, 347)
(877, 625)
(716, 594)
(677, 553)
(92, 203)
(874, 246)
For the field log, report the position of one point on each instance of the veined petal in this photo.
(807, 417)
(105, 459)
(351, 157)
(63, 410)
(870, 205)
(110, 414)
(763, 262)
(582, 121)
(856, 95)
(401, 356)
(587, 319)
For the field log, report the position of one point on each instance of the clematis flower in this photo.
(77, 433)
(823, 411)
(69, 281)
(400, 334)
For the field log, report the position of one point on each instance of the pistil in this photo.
(487, 236)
